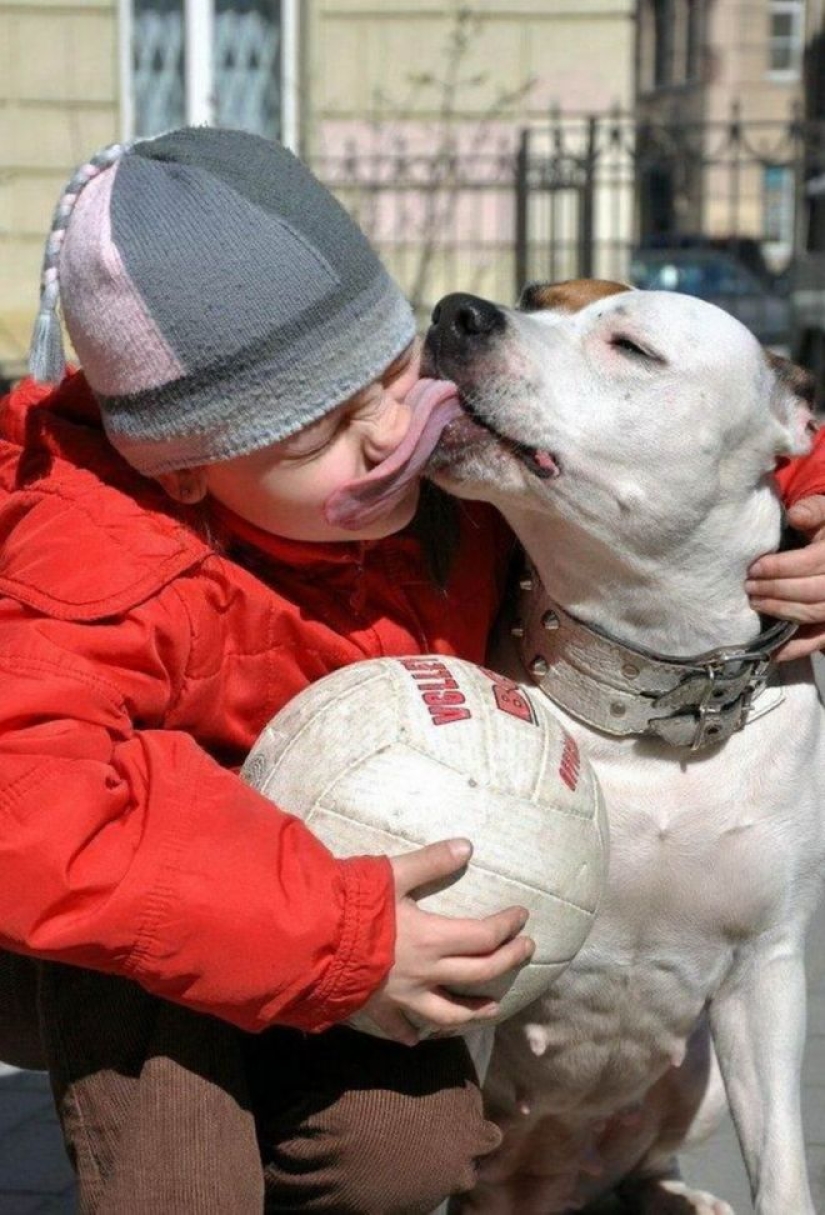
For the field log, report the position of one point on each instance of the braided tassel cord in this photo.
(47, 359)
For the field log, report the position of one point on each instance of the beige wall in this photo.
(521, 61)
(58, 101)
(362, 59)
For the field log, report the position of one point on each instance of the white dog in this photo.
(629, 438)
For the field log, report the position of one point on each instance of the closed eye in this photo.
(633, 350)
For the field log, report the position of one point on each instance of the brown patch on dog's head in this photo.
(792, 400)
(795, 378)
(569, 296)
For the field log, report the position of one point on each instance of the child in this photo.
(165, 588)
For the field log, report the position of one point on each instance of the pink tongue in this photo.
(434, 403)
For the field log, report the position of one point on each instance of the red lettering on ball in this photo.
(570, 766)
(510, 698)
(439, 691)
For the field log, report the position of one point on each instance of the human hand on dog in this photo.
(434, 953)
(791, 585)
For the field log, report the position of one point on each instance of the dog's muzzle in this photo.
(622, 690)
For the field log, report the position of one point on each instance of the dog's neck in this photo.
(692, 601)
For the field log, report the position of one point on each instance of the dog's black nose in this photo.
(462, 317)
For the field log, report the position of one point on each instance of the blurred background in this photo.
(677, 144)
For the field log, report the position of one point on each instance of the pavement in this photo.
(35, 1177)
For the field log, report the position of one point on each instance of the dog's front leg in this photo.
(758, 1025)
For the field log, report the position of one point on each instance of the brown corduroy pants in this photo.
(165, 1110)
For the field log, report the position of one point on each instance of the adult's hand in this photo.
(791, 585)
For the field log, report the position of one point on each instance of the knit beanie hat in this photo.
(218, 297)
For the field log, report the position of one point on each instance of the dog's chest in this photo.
(704, 858)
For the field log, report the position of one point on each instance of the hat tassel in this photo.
(47, 360)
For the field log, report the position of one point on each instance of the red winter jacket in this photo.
(138, 663)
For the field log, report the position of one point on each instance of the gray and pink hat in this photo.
(218, 297)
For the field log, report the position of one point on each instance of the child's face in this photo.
(283, 488)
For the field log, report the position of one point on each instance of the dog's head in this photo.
(592, 396)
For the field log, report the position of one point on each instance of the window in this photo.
(224, 61)
(157, 66)
(785, 37)
(247, 50)
(778, 210)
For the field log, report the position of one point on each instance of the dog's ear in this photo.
(792, 402)
(569, 296)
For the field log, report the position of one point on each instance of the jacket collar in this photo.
(229, 527)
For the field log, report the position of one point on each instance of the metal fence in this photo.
(575, 196)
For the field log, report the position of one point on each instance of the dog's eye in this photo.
(627, 346)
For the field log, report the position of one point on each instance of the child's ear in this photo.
(185, 485)
(792, 402)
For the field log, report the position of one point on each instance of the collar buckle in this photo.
(731, 684)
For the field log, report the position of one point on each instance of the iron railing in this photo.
(575, 196)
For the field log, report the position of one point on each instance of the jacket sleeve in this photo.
(124, 847)
(805, 475)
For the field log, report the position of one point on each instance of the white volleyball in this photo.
(393, 753)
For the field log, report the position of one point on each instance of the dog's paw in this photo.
(658, 1196)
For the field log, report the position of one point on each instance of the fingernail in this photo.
(529, 949)
(462, 850)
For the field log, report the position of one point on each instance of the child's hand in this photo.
(792, 585)
(433, 952)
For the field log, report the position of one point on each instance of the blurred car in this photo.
(721, 279)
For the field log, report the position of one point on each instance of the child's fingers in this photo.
(398, 1029)
(431, 864)
(476, 972)
(438, 1011)
(788, 590)
(385, 1020)
(454, 938)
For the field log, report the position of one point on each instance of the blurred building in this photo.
(725, 76)
(808, 285)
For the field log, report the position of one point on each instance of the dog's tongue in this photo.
(434, 403)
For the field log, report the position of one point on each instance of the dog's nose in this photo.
(461, 316)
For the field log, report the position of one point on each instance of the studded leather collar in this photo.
(624, 690)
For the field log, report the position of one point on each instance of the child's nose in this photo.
(388, 431)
